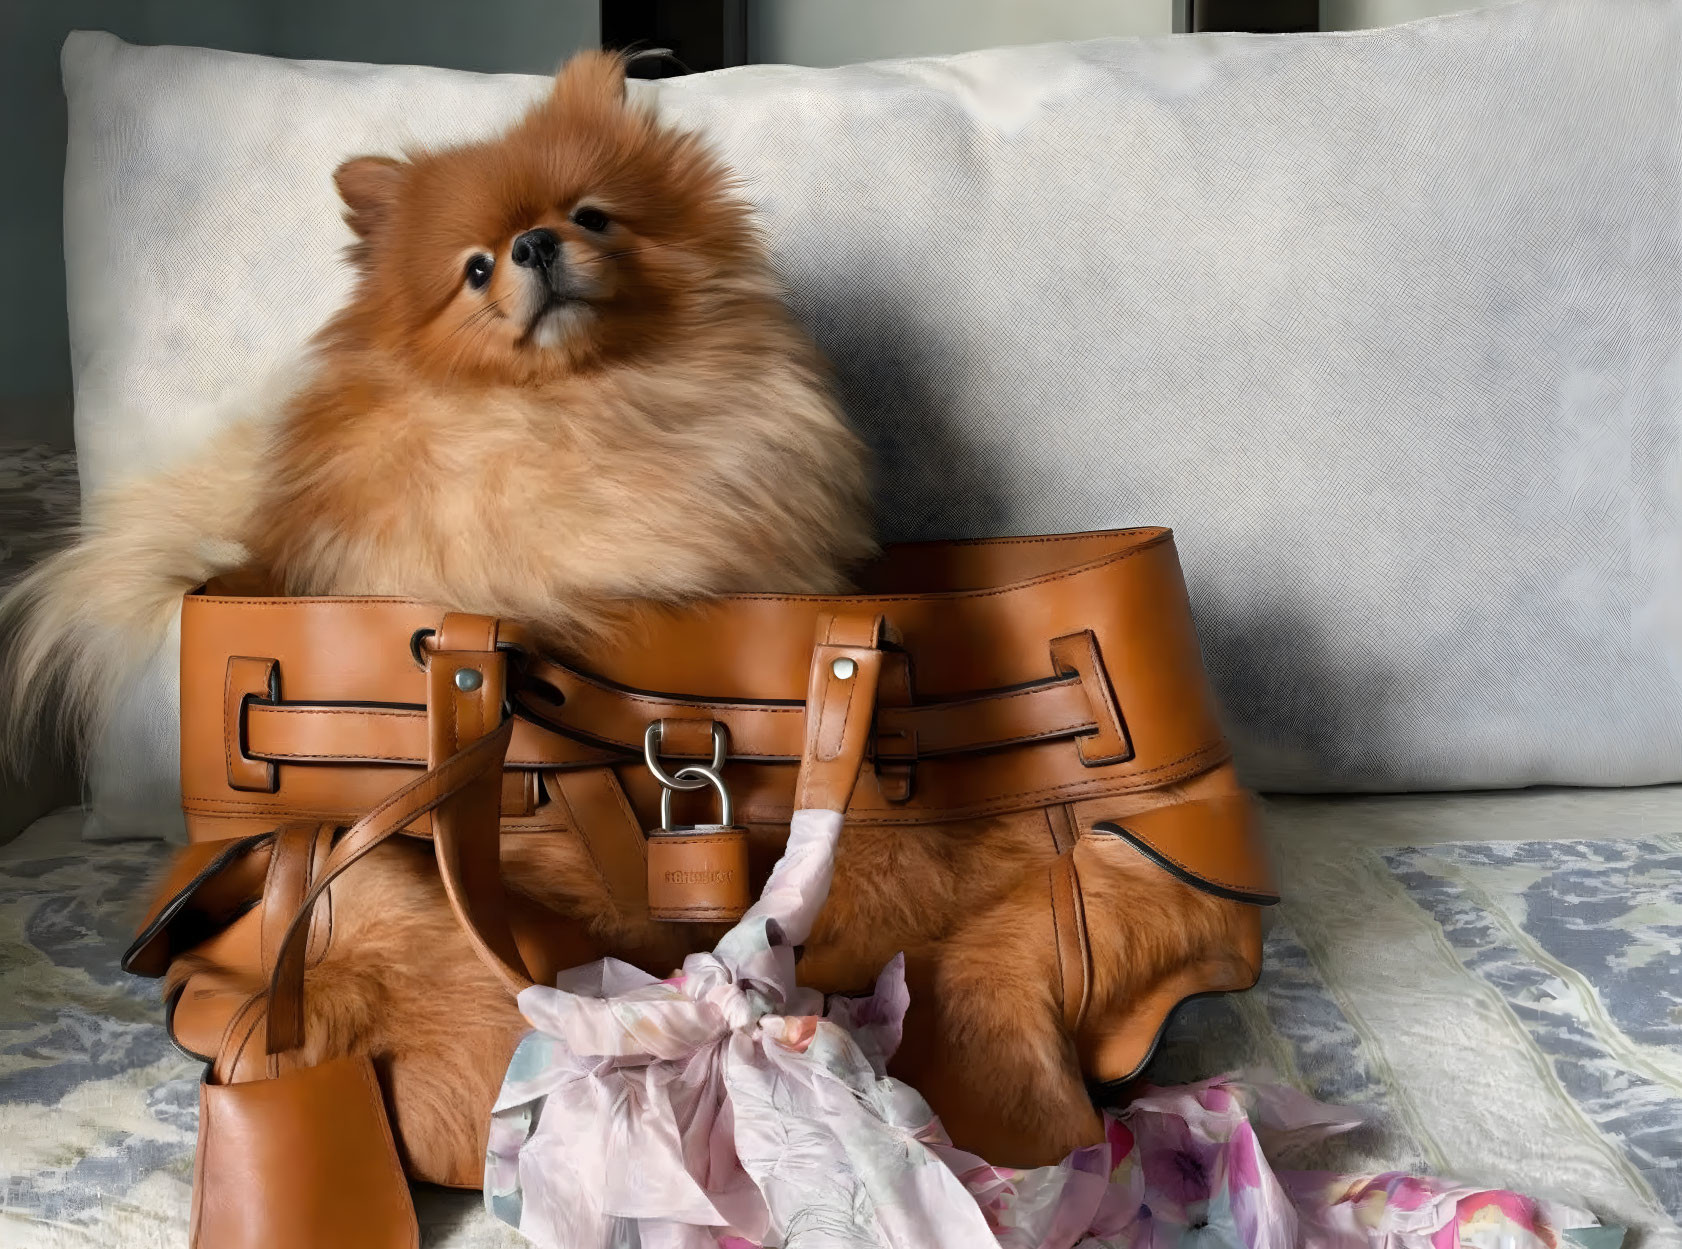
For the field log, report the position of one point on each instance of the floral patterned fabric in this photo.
(727, 1106)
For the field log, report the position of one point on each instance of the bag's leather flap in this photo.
(209, 884)
(303, 1159)
(1213, 844)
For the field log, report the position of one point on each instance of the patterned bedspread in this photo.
(1495, 978)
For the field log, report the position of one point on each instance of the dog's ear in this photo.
(369, 186)
(590, 80)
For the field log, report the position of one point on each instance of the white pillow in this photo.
(1384, 323)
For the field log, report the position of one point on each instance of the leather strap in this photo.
(299, 850)
(466, 692)
(570, 720)
(840, 709)
(598, 811)
(604, 715)
(421, 796)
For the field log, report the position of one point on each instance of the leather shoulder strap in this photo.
(420, 797)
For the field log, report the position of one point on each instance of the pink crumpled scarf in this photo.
(727, 1106)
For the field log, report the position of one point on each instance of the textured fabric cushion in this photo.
(1385, 324)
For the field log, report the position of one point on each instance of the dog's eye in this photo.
(591, 219)
(479, 271)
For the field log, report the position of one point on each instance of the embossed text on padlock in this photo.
(698, 873)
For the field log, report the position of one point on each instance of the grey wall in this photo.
(1362, 14)
(491, 35)
(838, 32)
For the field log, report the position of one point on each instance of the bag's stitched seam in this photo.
(282, 709)
(282, 755)
(927, 711)
(228, 729)
(852, 694)
(1077, 904)
(678, 700)
(917, 712)
(365, 1073)
(1057, 938)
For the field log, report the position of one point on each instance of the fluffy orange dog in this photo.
(565, 379)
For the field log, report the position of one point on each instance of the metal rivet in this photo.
(843, 668)
(469, 679)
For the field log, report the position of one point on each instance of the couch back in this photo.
(1385, 324)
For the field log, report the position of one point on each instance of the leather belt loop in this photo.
(686, 737)
(522, 791)
(894, 751)
(1077, 654)
(247, 678)
(595, 725)
(840, 710)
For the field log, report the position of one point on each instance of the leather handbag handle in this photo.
(462, 792)
(421, 796)
(840, 709)
(572, 720)
(467, 698)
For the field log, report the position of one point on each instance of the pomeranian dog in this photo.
(565, 378)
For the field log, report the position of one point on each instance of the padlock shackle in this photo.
(706, 775)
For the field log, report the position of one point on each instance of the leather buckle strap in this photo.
(568, 719)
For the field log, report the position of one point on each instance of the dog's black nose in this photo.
(536, 249)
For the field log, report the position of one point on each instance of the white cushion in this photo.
(1385, 324)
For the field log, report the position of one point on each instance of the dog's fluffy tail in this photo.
(77, 628)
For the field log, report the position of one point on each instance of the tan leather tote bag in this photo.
(1043, 818)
